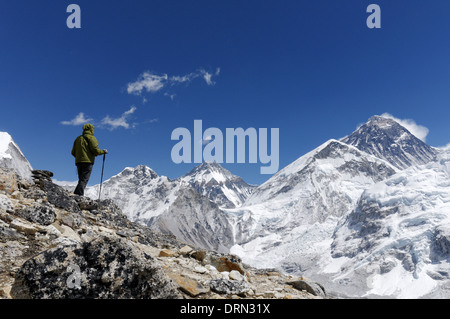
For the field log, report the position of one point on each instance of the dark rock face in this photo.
(441, 243)
(57, 196)
(386, 139)
(104, 268)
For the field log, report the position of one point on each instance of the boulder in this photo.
(59, 197)
(38, 213)
(188, 285)
(309, 286)
(229, 287)
(106, 268)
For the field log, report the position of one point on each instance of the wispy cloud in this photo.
(80, 119)
(417, 130)
(151, 83)
(148, 82)
(122, 121)
(208, 76)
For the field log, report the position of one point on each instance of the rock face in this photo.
(54, 244)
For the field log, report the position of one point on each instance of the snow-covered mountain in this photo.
(11, 157)
(387, 139)
(139, 192)
(219, 185)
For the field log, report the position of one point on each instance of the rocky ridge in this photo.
(54, 244)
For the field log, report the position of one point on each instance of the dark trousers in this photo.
(84, 173)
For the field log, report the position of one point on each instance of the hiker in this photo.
(85, 149)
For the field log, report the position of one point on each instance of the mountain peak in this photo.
(381, 121)
(140, 171)
(218, 184)
(387, 139)
(12, 158)
(210, 170)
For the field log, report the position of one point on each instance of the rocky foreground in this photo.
(54, 244)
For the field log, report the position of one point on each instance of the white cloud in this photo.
(207, 77)
(80, 119)
(148, 81)
(417, 130)
(182, 79)
(122, 121)
(153, 83)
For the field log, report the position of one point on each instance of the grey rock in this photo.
(311, 287)
(229, 287)
(40, 214)
(9, 234)
(441, 243)
(59, 197)
(5, 203)
(107, 268)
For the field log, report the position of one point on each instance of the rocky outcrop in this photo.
(107, 267)
(54, 244)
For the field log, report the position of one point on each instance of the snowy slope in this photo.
(325, 182)
(11, 157)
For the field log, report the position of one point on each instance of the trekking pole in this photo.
(101, 180)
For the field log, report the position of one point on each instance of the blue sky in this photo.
(140, 69)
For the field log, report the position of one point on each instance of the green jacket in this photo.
(85, 147)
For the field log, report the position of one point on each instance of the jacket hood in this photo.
(88, 129)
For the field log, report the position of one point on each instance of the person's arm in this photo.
(93, 146)
(73, 149)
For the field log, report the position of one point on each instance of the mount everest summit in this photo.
(367, 215)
